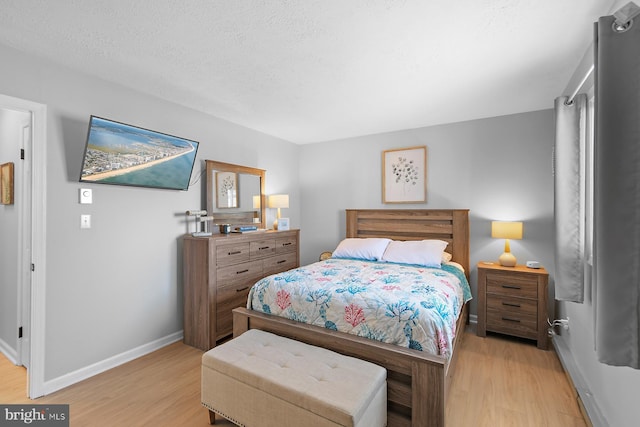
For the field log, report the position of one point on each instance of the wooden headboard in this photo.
(450, 225)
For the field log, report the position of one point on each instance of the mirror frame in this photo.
(213, 165)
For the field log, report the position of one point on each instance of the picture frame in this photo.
(6, 183)
(283, 224)
(226, 190)
(404, 175)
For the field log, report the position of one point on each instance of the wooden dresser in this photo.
(218, 272)
(513, 301)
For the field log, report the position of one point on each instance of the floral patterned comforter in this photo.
(410, 306)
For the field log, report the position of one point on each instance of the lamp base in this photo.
(275, 224)
(507, 260)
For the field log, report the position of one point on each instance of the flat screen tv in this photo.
(121, 154)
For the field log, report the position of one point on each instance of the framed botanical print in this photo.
(404, 175)
(226, 190)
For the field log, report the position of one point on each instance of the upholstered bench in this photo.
(261, 379)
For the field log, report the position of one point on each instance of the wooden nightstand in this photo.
(513, 301)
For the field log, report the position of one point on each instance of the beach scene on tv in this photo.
(117, 153)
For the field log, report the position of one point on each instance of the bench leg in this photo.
(212, 417)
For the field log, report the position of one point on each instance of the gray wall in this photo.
(499, 168)
(117, 286)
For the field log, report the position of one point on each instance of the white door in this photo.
(23, 240)
(15, 229)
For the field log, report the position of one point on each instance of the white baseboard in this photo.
(9, 352)
(110, 363)
(588, 400)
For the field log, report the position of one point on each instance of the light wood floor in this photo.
(499, 381)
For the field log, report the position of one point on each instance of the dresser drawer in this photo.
(512, 285)
(512, 305)
(239, 273)
(287, 244)
(518, 324)
(263, 248)
(232, 254)
(278, 263)
(229, 297)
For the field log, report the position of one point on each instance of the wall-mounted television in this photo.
(121, 154)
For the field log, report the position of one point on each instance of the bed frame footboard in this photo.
(416, 382)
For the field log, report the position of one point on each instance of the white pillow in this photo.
(420, 252)
(370, 249)
(446, 257)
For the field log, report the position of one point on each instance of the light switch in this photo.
(85, 221)
(86, 196)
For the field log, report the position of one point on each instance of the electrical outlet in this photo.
(85, 221)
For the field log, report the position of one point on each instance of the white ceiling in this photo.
(317, 70)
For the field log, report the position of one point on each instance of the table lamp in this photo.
(506, 230)
(278, 201)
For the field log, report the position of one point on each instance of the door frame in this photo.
(37, 236)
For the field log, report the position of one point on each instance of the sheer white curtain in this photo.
(617, 193)
(569, 196)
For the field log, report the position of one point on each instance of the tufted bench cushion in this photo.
(262, 379)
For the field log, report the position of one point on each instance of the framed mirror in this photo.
(235, 194)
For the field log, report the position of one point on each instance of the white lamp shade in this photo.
(256, 202)
(278, 201)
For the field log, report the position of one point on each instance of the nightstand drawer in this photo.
(522, 325)
(512, 305)
(512, 285)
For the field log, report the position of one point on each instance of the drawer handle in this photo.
(281, 261)
(242, 271)
(264, 247)
(243, 289)
(511, 287)
(234, 253)
(286, 244)
(510, 304)
(508, 319)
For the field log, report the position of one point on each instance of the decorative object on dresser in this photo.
(506, 230)
(513, 301)
(278, 201)
(200, 218)
(218, 272)
(283, 224)
(404, 175)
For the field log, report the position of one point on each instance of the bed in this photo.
(417, 381)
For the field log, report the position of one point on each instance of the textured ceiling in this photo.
(317, 70)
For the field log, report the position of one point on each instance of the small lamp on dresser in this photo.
(506, 230)
(278, 201)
